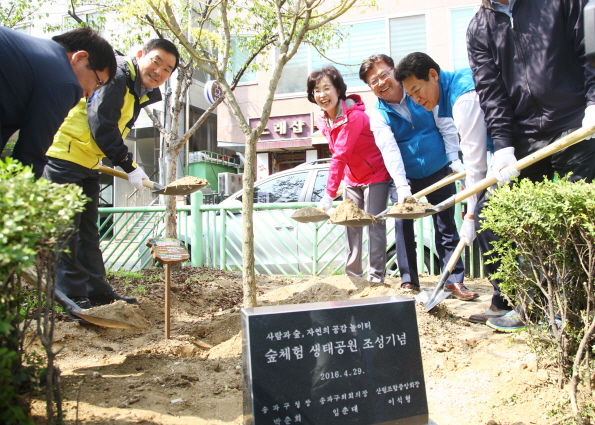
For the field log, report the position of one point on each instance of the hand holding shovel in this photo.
(170, 189)
(566, 141)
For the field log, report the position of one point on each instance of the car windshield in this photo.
(282, 189)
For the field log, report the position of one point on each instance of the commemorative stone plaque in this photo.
(333, 363)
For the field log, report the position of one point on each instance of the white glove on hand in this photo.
(136, 178)
(403, 192)
(326, 203)
(468, 230)
(457, 166)
(500, 166)
(589, 120)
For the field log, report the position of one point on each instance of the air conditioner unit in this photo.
(229, 183)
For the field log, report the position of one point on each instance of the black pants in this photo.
(578, 159)
(81, 272)
(446, 235)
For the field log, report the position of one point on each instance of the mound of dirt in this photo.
(347, 213)
(409, 205)
(120, 311)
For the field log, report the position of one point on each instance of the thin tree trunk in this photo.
(248, 277)
(171, 217)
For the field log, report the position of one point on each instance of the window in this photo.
(295, 73)
(237, 60)
(364, 39)
(320, 186)
(282, 189)
(459, 21)
(407, 35)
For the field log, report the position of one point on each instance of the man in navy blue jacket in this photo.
(42, 80)
(535, 86)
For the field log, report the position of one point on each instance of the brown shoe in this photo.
(461, 292)
(409, 286)
(491, 313)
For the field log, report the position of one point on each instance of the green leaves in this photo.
(33, 213)
(546, 258)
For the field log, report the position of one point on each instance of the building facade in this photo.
(395, 28)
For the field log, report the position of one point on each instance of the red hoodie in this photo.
(356, 158)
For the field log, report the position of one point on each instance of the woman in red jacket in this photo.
(357, 161)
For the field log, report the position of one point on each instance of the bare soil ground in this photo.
(114, 376)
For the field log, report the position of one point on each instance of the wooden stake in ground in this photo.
(168, 251)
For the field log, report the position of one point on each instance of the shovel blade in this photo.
(432, 302)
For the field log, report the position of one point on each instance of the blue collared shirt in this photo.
(503, 8)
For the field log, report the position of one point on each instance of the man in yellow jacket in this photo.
(95, 129)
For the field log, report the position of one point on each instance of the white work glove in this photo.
(403, 192)
(500, 165)
(457, 166)
(468, 230)
(589, 120)
(136, 178)
(326, 203)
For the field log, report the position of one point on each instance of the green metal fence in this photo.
(281, 245)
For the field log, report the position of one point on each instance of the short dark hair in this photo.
(163, 44)
(101, 53)
(417, 64)
(335, 77)
(369, 63)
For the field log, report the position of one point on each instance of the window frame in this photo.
(362, 87)
(474, 8)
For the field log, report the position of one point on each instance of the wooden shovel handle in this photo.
(123, 175)
(562, 143)
(456, 254)
(451, 178)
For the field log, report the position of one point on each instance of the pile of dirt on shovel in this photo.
(409, 205)
(309, 214)
(188, 181)
(348, 211)
(120, 311)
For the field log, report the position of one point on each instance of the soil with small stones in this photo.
(409, 205)
(309, 214)
(348, 212)
(473, 375)
(189, 181)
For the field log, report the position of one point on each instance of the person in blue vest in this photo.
(418, 149)
(452, 94)
(41, 81)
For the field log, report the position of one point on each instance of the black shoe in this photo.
(109, 297)
(83, 303)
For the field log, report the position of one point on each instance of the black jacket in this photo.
(530, 71)
(37, 89)
(113, 110)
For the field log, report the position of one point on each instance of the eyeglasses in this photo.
(381, 79)
(99, 82)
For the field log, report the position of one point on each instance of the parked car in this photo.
(284, 245)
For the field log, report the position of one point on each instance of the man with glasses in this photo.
(94, 130)
(41, 80)
(418, 149)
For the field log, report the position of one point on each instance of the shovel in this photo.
(566, 141)
(31, 277)
(431, 298)
(170, 189)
